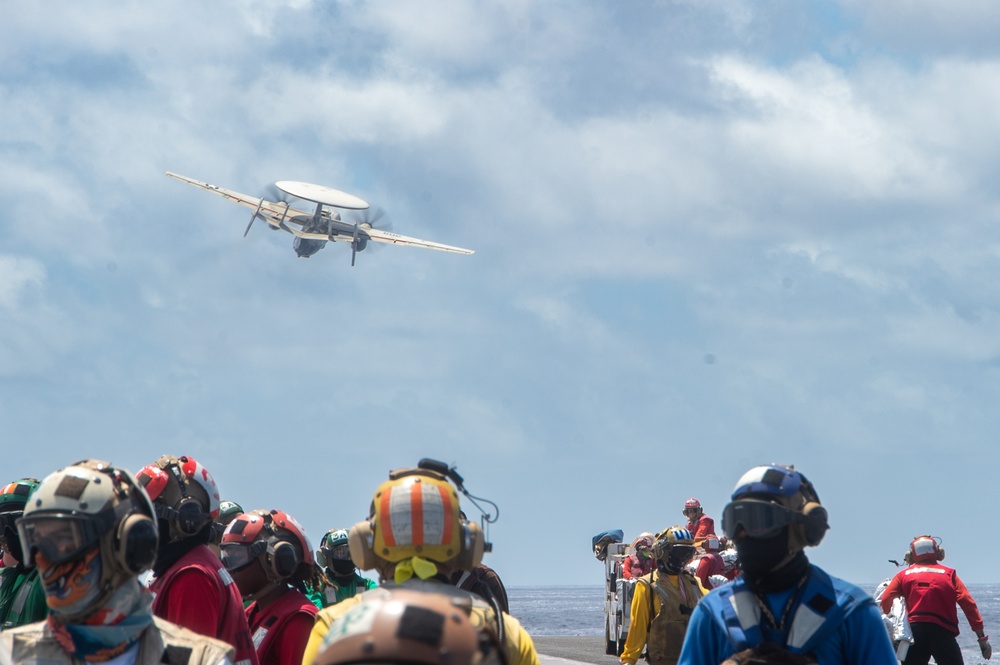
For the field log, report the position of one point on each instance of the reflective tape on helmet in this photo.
(417, 514)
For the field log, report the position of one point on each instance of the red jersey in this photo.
(281, 630)
(701, 527)
(710, 564)
(198, 593)
(931, 592)
(635, 566)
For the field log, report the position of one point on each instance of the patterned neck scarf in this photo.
(112, 629)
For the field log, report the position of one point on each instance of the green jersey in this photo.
(22, 598)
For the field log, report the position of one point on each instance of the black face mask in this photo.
(758, 556)
(678, 557)
(342, 567)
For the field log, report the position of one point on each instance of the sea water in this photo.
(579, 610)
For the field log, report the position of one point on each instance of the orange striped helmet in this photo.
(417, 515)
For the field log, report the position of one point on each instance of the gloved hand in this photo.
(984, 646)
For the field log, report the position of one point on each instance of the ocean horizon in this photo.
(578, 610)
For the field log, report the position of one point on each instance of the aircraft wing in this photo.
(390, 238)
(274, 213)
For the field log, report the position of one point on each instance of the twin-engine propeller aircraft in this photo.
(312, 230)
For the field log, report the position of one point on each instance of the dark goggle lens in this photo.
(57, 539)
(682, 553)
(759, 519)
(339, 552)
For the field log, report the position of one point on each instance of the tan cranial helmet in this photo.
(89, 510)
(407, 626)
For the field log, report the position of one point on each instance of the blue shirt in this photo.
(859, 639)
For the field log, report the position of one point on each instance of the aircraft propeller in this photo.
(369, 218)
(269, 193)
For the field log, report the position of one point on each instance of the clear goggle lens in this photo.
(759, 519)
(58, 539)
(238, 555)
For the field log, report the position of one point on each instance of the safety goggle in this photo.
(759, 519)
(237, 555)
(60, 538)
(338, 552)
(683, 553)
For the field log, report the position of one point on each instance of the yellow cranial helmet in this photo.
(417, 515)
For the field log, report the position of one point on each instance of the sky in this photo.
(709, 234)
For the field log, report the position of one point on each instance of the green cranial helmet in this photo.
(14, 496)
(229, 510)
(334, 552)
(334, 537)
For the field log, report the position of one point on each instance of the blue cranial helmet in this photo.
(777, 482)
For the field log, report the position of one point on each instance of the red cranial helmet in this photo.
(275, 535)
(692, 507)
(926, 549)
(183, 492)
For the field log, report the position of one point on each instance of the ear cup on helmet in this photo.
(940, 555)
(360, 539)
(135, 543)
(321, 559)
(283, 558)
(659, 549)
(814, 523)
(471, 554)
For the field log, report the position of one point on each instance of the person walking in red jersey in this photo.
(699, 524)
(931, 592)
(191, 586)
(269, 556)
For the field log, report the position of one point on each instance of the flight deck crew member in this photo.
(334, 555)
(415, 539)
(192, 587)
(22, 598)
(782, 605)
(408, 628)
(931, 592)
(271, 559)
(90, 530)
(663, 601)
(699, 524)
(640, 561)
